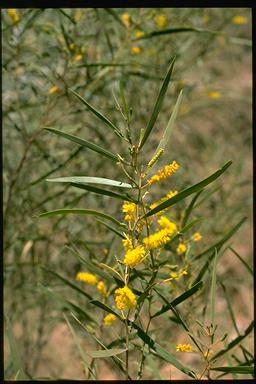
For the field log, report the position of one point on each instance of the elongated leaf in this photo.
(112, 229)
(67, 281)
(239, 370)
(180, 299)
(161, 352)
(233, 318)
(220, 243)
(96, 113)
(242, 261)
(168, 130)
(189, 209)
(15, 356)
(169, 31)
(84, 143)
(101, 191)
(84, 355)
(188, 191)
(106, 353)
(105, 308)
(79, 211)
(89, 180)
(158, 104)
(234, 342)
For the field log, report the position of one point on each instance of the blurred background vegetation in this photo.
(47, 51)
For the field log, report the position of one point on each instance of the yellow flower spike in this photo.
(197, 236)
(139, 34)
(155, 158)
(184, 348)
(134, 256)
(109, 319)
(129, 210)
(157, 239)
(161, 21)
(86, 277)
(13, 15)
(136, 50)
(164, 222)
(125, 298)
(181, 248)
(53, 89)
(239, 20)
(101, 287)
(126, 19)
(214, 95)
(174, 275)
(165, 172)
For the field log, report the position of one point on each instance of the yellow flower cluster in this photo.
(53, 89)
(181, 248)
(168, 196)
(240, 20)
(197, 236)
(157, 239)
(165, 172)
(139, 34)
(134, 256)
(101, 287)
(136, 50)
(161, 21)
(161, 237)
(13, 15)
(127, 243)
(86, 277)
(125, 298)
(184, 348)
(126, 19)
(214, 95)
(129, 210)
(108, 319)
(177, 275)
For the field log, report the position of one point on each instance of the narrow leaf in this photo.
(234, 342)
(106, 353)
(242, 261)
(179, 299)
(101, 191)
(95, 112)
(169, 31)
(158, 104)
(105, 308)
(79, 211)
(188, 191)
(84, 143)
(213, 289)
(112, 229)
(168, 130)
(239, 370)
(88, 179)
(189, 209)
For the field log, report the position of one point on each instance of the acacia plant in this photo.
(157, 268)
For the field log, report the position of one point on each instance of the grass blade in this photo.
(84, 143)
(234, 342)
(158, 104)
(97, 113)
(188, 191)
(88, 179)
(79, 211)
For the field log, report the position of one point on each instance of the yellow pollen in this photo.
(184, 348)
(125, 298)
(53, 89)
(197, 236)
(161, 21)
(129, 210)
(108, 319)
(136, 50)
(126, 19)
(134, 256)
(139, 34)
(101, 287)
(181, 248)
(157, 239)
(240, 20)
(168, 196)
(13, 15)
